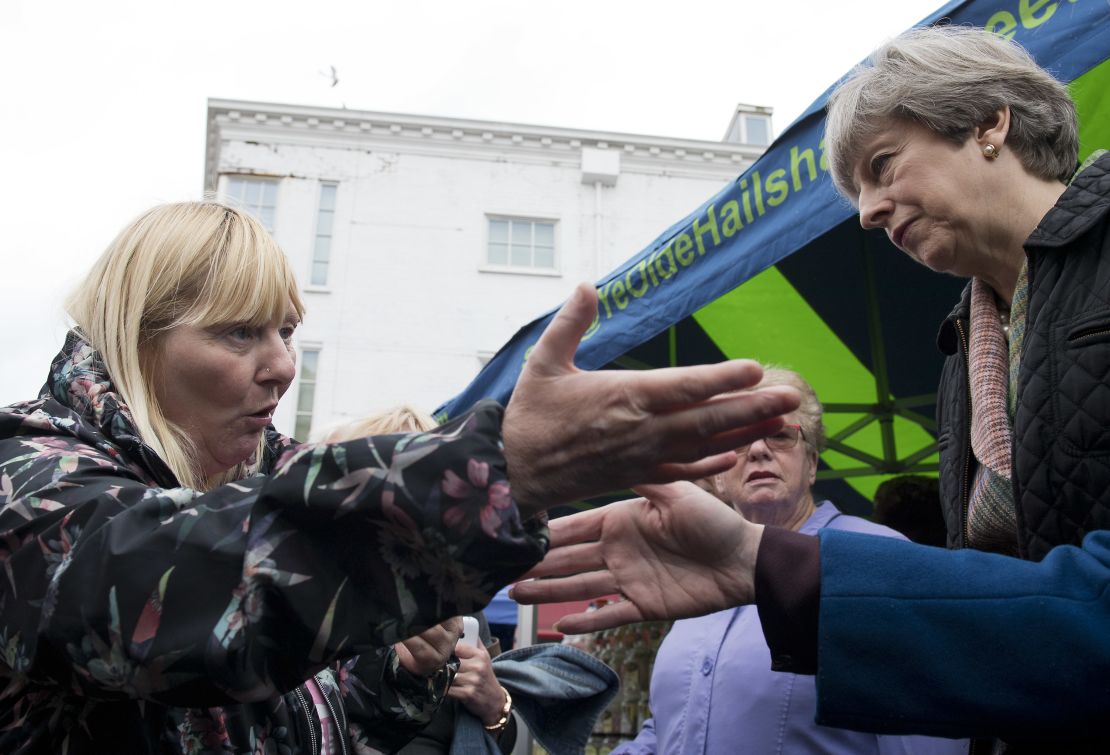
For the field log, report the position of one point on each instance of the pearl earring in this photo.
(990, 151)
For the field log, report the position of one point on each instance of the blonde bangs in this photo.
(248, 279)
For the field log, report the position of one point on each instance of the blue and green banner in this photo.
(785, 201)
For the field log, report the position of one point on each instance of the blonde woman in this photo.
(174, 570)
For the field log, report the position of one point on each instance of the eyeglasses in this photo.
(783, 440)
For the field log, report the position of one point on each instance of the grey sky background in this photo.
(102, 107)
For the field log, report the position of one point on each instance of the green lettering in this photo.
(823, 163)
(636, 292)
(777, 187)
(619, 296)
(1027, 9)
(668, 255)
(758, 193)
(603, 297)
(731, 218)
(746, 199)
(682, 247)
(650, 266)
(711, 226)
(796, 158)
(594, 327)
(1003, 24)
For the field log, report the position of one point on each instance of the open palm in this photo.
(675, 553)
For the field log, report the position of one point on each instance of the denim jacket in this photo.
(558, 690)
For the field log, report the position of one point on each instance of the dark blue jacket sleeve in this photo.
(914, 639)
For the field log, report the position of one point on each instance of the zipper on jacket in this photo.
(965, 524)
(308, 717)
(340, 724)
(1100, 331)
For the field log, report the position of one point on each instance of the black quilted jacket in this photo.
(1061, 454)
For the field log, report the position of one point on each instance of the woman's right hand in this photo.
(570, 434)
(675, 553)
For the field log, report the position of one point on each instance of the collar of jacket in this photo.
(1083, 204)
(80, 382)
(948, 340)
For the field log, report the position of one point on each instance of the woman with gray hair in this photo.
(965, 152)
(962, 149)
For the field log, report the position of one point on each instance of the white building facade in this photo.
(423, 243)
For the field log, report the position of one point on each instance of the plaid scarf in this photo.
(993, 374)
(992, 366)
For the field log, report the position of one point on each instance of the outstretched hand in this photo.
(675, 553)
(570, 434)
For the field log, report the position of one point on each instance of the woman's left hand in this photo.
(475, 686)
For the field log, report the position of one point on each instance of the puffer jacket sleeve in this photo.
(187, 599)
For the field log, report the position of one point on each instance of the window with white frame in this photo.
(325, 222)
(757, 130)
(258, 196)
(521, 243)
(750, 128)
(306, 393)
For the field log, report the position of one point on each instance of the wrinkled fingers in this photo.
(608, 616)
(725, 418)
(670, 388)
(583, 527)
(566, 560)
(587, 586)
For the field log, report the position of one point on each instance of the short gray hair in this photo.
(810, 412)
(950, 79)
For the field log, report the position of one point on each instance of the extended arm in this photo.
(236, 594)
(909, 639)
(136, 588)
(962, 643)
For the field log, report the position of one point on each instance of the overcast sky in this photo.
(102, 108)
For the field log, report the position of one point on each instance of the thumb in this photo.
(560, 339)
(464, 650)
(404, 655)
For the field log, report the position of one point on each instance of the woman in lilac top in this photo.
(712, 689)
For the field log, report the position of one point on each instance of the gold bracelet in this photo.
(498, 727)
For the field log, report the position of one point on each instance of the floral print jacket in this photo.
(137, 616)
